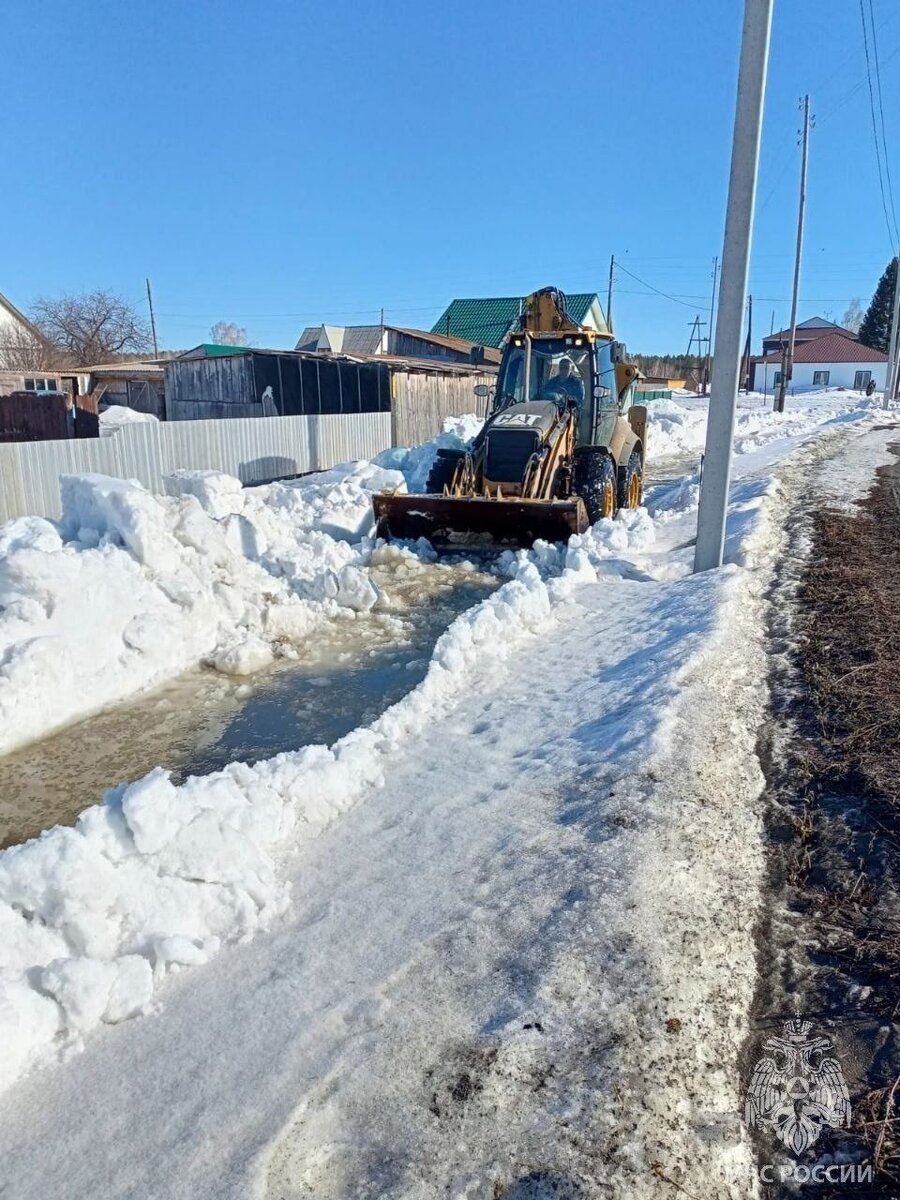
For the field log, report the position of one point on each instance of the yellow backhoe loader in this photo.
(562, 446)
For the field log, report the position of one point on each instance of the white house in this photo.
(835, 360)
(21, 354)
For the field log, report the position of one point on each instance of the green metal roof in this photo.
(487, 321)
(217, 350)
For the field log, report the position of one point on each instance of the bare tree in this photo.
(21, 350)
(92, 328)
(852, 318)
(226, 333)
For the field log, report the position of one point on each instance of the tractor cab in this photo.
(581, 370)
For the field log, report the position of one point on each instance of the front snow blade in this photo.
(467, 523)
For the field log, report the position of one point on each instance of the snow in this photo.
(129, 589)
(117, 416)
(393, 883)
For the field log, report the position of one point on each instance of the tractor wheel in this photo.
(442, 471)
(595, 483)
(631, 482)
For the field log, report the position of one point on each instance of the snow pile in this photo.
(117, 416)
(415, 462)
(679, 426)
(129, 589)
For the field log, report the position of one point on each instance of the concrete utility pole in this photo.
(751, 90)
(612, 267)
(893, 344)
(787, 365)
(152, 320)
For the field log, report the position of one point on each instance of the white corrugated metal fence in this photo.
(254, 450)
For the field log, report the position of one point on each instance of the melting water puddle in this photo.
(348, 674)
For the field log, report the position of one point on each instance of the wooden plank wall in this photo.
(421, 403)
(215, 387)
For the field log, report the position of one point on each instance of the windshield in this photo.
(558, 372)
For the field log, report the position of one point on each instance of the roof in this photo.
(832, 348)
(486, 321)
(814, 327)
(19, 316)
(213, 350)
(460, 344)
(120, 368)
(367, 339)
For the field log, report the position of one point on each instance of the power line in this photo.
(887, 161)
(674, 299)
(891, 233)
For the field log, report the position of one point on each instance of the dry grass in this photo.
(850, 632)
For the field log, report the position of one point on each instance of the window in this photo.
(821, 378)
(777, 379)
(861, 380)
(41, 385)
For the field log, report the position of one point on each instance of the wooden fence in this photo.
(420, 403)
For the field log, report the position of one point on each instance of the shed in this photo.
(272, 383)
(137, 385)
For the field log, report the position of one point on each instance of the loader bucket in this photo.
(469, 522)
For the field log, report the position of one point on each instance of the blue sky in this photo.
(281, 162)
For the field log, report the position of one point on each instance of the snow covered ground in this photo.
(506, 929)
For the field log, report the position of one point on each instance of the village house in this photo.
(835, 359)
(21, 355)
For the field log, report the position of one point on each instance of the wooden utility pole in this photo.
(696, 333)
(787, 364)
(894, 343)
(745, 368)
(152, 320)
(609, 291)
(712, 307)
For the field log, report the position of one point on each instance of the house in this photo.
(394, 342)
(834, 359)
(807, 331)
(487, 321)
(21, 354)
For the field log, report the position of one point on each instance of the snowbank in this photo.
(117, 416)
(129, 589)
(415, 462)
(678, 427)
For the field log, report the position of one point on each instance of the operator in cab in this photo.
(566, 384)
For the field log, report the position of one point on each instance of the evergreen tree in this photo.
(875, 330)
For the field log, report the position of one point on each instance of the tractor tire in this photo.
(442, 471)
(631, 482)
(595, 483)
